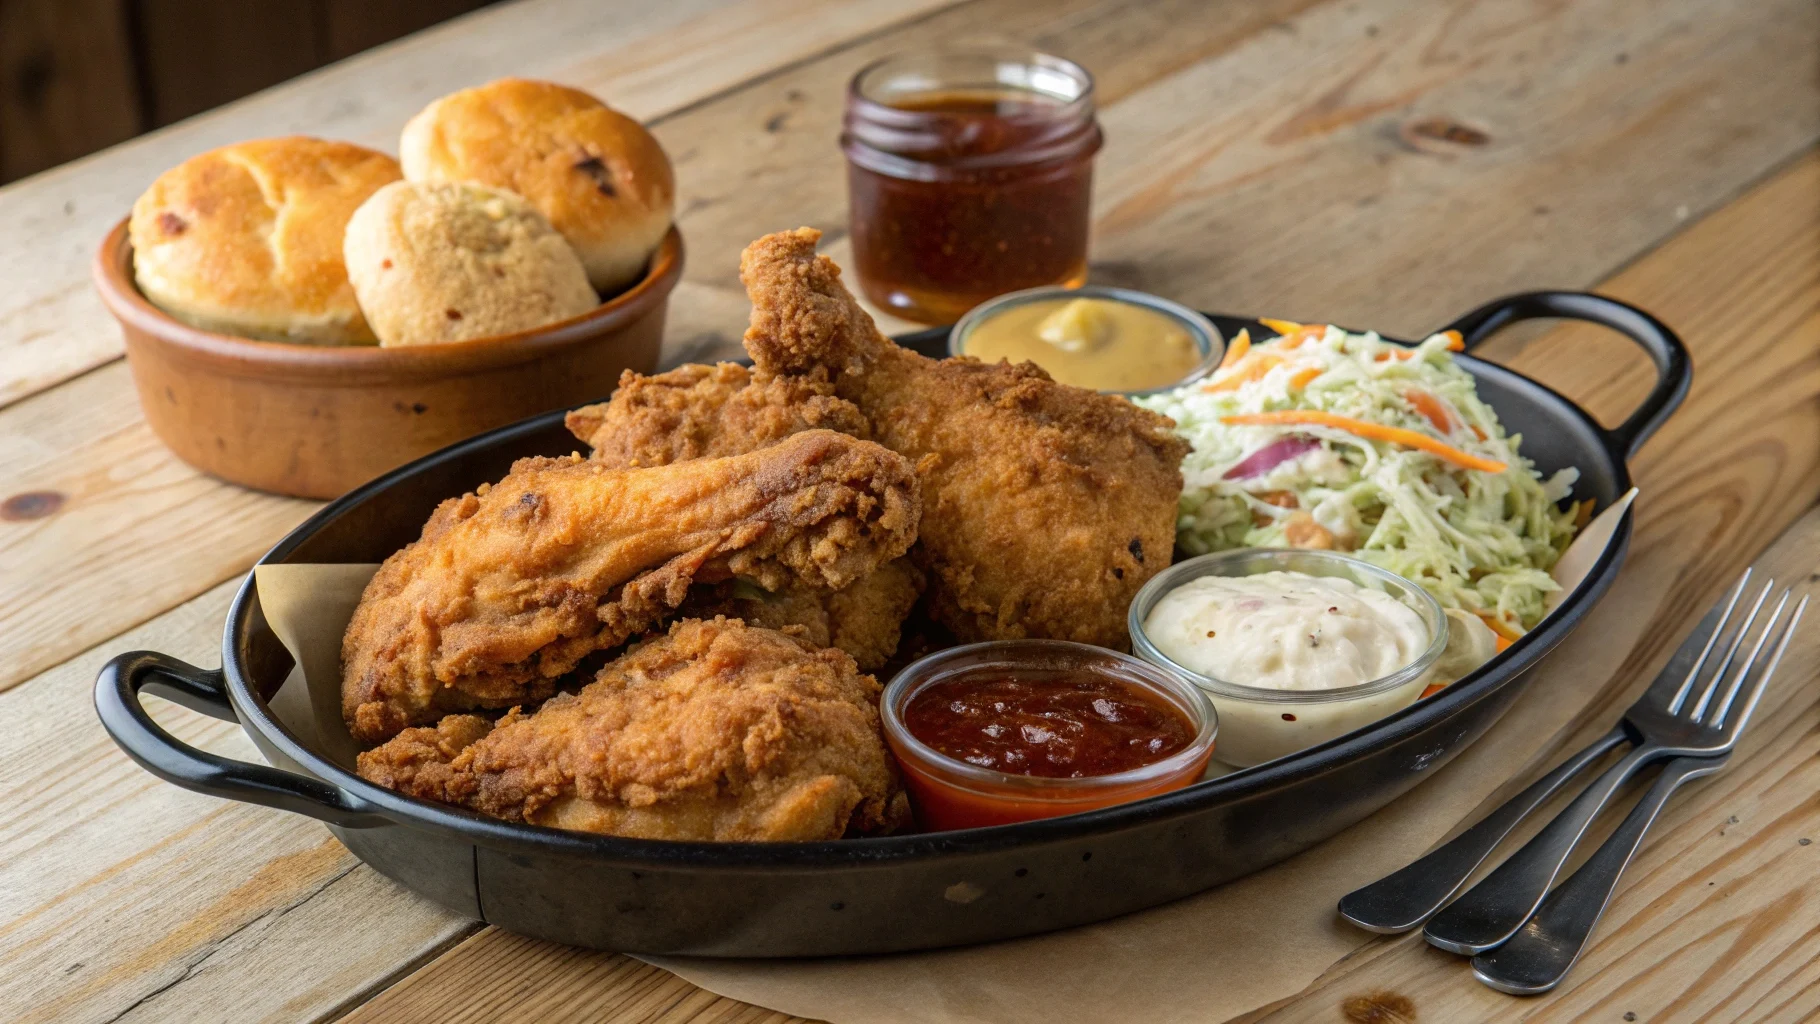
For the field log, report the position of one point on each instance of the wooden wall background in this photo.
(79, 75)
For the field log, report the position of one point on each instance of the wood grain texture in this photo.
(1715, 921)
(123, 898)
(1226, 182)
(350, 26)
(66, 82)
(1719, 482)
(1232, 186)
(672, 54)
(69, 443)
(760, 158)
(1714, 918)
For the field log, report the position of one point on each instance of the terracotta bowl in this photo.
(316, 421)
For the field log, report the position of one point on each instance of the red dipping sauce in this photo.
(1053, 725)
(1017, 730)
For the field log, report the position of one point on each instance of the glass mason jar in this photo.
(969, 175)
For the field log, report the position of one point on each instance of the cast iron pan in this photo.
(861, 895)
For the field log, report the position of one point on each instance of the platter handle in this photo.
(117, 691)
(1674, 370)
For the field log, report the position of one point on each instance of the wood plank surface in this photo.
(761, 157)
(646, 59)
(99, 499)
(1226, 182)
(1722, 480)
(123, 898)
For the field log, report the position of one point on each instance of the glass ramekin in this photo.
(1207, 339)
(1259, 724)
(951, 794)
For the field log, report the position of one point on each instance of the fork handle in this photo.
(1540, 955)
(1492, 911)
(1403, 900)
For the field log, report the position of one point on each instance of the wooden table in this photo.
(1362, 161)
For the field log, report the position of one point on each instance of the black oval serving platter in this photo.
(862, 895)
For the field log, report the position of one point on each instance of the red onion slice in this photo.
(1271, 456)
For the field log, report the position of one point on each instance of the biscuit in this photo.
(246, 239)
(440, 263)
(601, 179)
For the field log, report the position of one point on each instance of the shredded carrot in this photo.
(1506, 634)
(1252, 368)
(1307, 332)
(1385, 357)
(1433, 410)
(1503, 643)
(1455, 343)
(1236, 351)
(1281, 326)
(1431, 689)
(1302, 377)
(1370, 431)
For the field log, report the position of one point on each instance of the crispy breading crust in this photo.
(706, 412)
(509, 587)
(697, 411)
(717, 731)
(1048, 506)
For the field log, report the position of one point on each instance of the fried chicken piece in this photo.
(864, 618)
(717, 731)
(704, 412)
(1048, 506)
(511, 586)
(698, 411)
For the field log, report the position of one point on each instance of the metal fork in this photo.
(1543, 951)
(1492, 911)
(1407, 898)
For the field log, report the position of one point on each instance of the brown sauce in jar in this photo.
(960, 195)
(1060, 725)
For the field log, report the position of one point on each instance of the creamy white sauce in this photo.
(1286, 631)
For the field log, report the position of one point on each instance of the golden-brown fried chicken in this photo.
(511, 586)
(704, 412)
(865, 618)
(698, 411)
(717, 731)
(1046, 506)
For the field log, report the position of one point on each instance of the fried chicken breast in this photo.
(717, 731)
(1047, 506)
(510, 587)
(698, 411)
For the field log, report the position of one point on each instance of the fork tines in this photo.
(1752, 664)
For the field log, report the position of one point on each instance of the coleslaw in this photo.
(1323, 438)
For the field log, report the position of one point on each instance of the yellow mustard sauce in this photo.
(1091, 343)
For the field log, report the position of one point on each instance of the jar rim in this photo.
(1043, 68)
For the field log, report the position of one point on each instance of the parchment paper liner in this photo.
(1206, 958)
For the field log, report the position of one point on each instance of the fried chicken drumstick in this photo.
(510, 587)
(1047, 506)
(718, 731)
(697, 411)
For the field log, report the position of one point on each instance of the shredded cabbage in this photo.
(1478, 541)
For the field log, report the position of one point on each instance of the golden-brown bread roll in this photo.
(246, 239)
(436, 263)
(599, 177)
